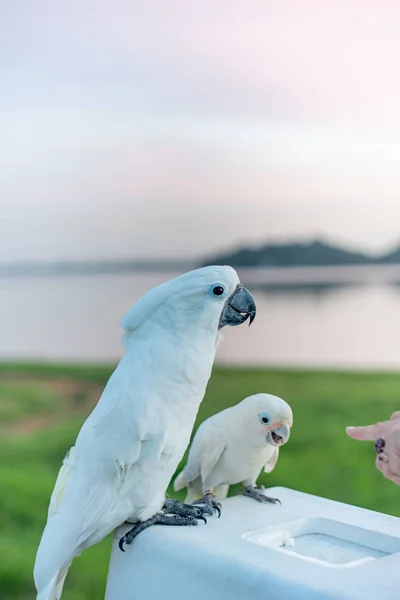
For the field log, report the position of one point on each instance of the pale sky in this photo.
(131, 129)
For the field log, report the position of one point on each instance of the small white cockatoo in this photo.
(131, 444)
(232, 447)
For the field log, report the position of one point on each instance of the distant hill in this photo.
(314, 253)
(391, 258)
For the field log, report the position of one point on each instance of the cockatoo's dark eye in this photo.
(264, 418)
(218, 290)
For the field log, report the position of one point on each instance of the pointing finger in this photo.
(369, 433)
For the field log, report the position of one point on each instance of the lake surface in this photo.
(76, 318)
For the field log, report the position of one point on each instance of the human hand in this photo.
(388, 446)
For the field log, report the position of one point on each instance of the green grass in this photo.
(25, 400)
(319, 457)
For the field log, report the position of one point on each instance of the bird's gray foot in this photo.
(157, 519)
(209, 503)
(175, 507)
(258, 494)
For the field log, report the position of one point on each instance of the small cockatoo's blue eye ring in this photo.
(218, 290)
(264, 418)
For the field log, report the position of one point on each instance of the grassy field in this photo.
(42, 409)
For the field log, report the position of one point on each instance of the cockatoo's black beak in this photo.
(239, 307)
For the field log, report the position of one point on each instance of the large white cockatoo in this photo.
(233, 446)
(131, 444)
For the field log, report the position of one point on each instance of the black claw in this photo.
(210, 506)
(161, 519)
(121, 544)
(217, 509)
(202, 517)
(207, 510)
(187, 510)
(272, 500)
(257, 494)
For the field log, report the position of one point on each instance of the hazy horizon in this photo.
(218, 251)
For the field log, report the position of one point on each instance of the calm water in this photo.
(77, 319)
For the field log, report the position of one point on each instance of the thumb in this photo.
(369, 433)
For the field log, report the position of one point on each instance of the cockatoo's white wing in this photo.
(207, 448)
(270, 465)
(84, 504)
(62, 479)
(210, 455)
